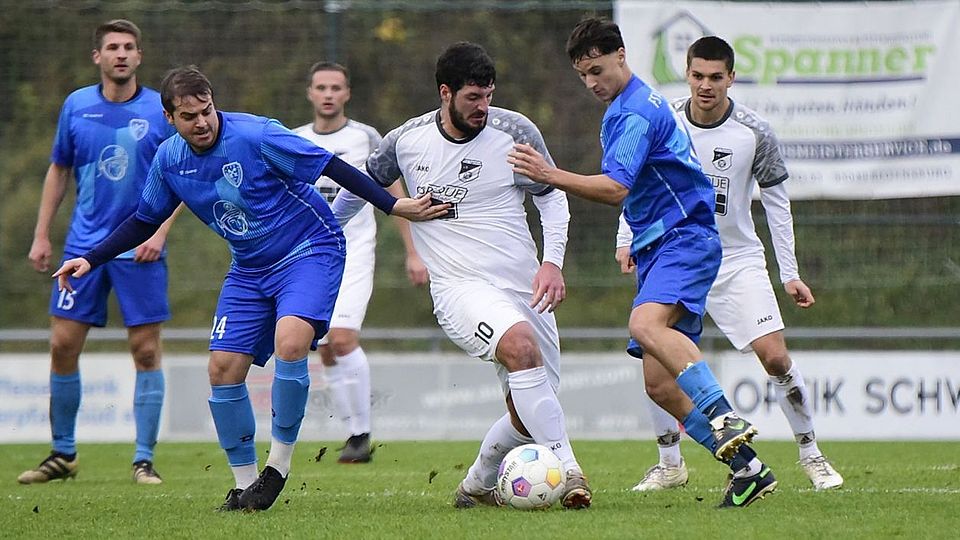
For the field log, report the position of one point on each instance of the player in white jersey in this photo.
(738, 149)
(345, 366)
(491, 295)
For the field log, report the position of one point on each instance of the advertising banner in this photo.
(859, 93)
(855, 395)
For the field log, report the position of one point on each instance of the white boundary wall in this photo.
(856, 394)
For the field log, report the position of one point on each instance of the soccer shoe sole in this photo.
(726, 451)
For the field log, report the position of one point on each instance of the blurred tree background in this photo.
(870, 263)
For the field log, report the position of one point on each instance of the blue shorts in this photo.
(251, 303)
(141, 290)
(678, 268)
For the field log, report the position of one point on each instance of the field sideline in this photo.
(892, 490)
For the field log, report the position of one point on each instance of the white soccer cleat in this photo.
(821, 473)
(659, 478)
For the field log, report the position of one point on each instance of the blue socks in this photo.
(291, 386)
(698, 382)
(236, 426)
(64, 404)
(147, 403)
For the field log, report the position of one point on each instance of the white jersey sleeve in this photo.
(776, 204)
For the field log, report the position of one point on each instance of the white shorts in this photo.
(742, 303)
(475, 315)
(357, 285)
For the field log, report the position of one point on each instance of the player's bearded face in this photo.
(196, 120)
(468, 108)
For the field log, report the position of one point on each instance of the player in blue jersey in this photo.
(650, 169)
(106, 137)
(251, 180)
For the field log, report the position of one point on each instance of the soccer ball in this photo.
(530, 477)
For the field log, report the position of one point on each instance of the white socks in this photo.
(540, 411)
(500, 439)
(349, 385)
(280, 457)
(794, 400)
(667, 431)
(245, 475)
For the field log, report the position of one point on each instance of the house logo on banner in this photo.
(671, 40)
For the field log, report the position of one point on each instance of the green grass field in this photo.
(892, 490)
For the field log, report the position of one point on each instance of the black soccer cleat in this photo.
(731, 432)
(742, 492)
(263, 491)
(232, 501)
(356, 450)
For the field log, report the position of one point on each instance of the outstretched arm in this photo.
(132, 232)
(598, 188)
(361, 185)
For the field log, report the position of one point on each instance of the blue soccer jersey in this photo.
(109, 146)
(253, 187)
(647, 149)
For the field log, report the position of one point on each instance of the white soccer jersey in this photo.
(738, 152)
(353, 143)
(485, 235)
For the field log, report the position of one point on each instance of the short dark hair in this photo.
(121, 26)
(181, 82)
(465, 63)
(711, 48)
(325, 65)
(593, 37)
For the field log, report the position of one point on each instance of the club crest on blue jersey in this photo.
(139, 128)
(230, 218)
(469, 169)
(113, 162)
(233, 172)
(722, 158)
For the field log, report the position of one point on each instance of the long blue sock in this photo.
(65, 393)
(236, 426)
(291, 386)
(147, 403)
(698, 428)
(698, 382)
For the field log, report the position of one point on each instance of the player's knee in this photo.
(146, 356)
(291, 348)
(659, 392)
(64, 354)
(519, 352)
(343, 343)
(222, 372)
(777, 364)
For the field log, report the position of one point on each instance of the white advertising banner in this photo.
(861, 94)
(447, 396)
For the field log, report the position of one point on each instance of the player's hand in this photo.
(800, 292)
(150, 250)
(419, 209)
(627, 266)
(71, 268)
(416, 271)
(530, 163)
(548, 288)
(40, 253)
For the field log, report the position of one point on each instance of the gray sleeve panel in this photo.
(372, 134)
(522, 131)
(382, 164)
(768, 166)
(678, 104)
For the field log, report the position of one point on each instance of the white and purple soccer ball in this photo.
(530, 477)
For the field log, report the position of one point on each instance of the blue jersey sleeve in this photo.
(63, 151)
(291, 156)
(627, 145)
(158, 201)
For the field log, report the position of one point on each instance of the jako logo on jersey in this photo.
(469, 169)
(139, 128)
(113, 162)
(233, 172)
(230, 218)
(421, 168)
(722, 158)
(762, 320)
